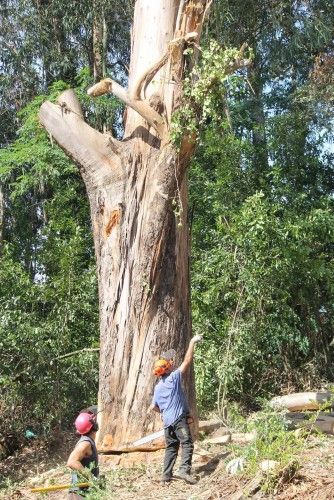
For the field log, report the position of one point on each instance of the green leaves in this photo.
(48, 291)
(205, 91)
(262, 277)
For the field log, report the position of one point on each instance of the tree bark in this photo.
(137, 190)
(99, 42)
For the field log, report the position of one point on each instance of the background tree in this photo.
(48, 293)
(268, 311)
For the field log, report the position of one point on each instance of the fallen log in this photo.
(324, 422)
(152, 442)
(302, 401)
(209, 425)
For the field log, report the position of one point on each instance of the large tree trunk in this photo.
(138, 196)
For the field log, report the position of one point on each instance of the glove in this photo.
(197, 338)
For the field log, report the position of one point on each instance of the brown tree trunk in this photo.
(138, 196)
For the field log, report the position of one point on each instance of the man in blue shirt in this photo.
(169, 400)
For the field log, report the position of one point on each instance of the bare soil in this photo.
(137, 475)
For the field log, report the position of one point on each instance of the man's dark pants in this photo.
(176, 434)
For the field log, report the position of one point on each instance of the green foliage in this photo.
(274, 441)
(261, 283)
(205, 91)
(48, 286)
(261, 192)
(261, 278)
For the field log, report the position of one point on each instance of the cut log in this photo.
(219, 439)
(302, 401)
(209, 425)
(324, 421)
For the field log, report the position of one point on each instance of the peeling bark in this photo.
(141, 247)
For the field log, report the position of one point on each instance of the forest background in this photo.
(261, 207)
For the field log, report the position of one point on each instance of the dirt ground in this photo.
(136, 475)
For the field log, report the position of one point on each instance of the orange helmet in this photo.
(161, 367)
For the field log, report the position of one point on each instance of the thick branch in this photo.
(149, 114)
(148, 76)
(86, 146)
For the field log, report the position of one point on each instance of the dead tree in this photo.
(133, 186)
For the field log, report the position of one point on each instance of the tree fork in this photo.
(137, 190)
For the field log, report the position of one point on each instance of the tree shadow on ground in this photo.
(211, 465)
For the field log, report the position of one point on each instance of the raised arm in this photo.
(190, 353)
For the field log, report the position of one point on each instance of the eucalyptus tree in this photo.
(137, 189)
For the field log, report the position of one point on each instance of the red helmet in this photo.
(85, 422)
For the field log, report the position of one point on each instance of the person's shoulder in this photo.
(176, 374)
(82, 449)
(85, 442)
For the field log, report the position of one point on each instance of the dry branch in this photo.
(147, 77)
(74, 353)
(83, 144)
(143, 108)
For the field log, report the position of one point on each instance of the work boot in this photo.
(186, 477)
(165, 480)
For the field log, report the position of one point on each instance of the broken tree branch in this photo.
(86, 146)
(142, 107)
(147, 77)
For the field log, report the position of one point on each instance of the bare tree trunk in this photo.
(258, 126)
(99, 42)
(138, 196)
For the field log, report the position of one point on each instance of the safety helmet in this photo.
(161, 367)
(85, 423)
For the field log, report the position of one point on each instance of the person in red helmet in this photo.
(83, 460)
(169, 400)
